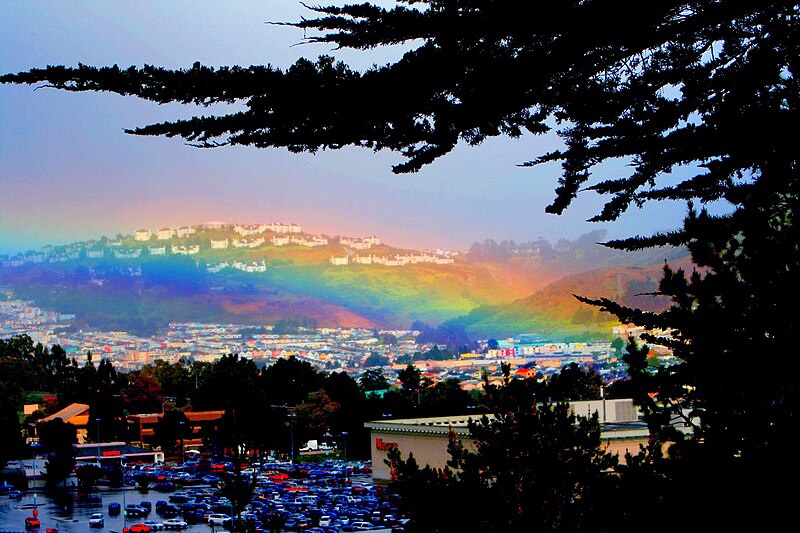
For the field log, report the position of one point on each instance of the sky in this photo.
(68, 171)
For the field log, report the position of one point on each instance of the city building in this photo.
(622, 430)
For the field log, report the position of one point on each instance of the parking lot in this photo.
(328, 497)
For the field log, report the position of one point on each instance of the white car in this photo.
(218, 519)
(175, 523)
(153, 525)
(96, 520)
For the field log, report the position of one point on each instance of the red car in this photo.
(32, 522)
(137, 528)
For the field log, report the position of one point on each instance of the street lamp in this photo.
(97, 421)
(124, 505)
(346, 470)
(34, 445)
(291, 435)
(183, 451)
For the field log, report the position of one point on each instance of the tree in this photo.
(87, 476)
(445, 398)
(575, 382)
(375, 359)
(412, 383)
(534, 466)
(372, 380)
(143, 394)
(12, 443)
(694, 95)
(171, 429)
(316, 415)
(58, 440)
(290, 381)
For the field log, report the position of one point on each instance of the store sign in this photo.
(385, 446)
(111, 453)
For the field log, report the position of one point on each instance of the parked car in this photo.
(217, 519)
(175, 523)
(132, 510)
(153, 525)
(96, 520)
(114, 509)
(137, 528)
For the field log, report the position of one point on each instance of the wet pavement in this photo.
(70, 511)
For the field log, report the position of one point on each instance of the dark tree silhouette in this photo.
(533, 467)
(58, 439)
(575, 382)
(695, 95)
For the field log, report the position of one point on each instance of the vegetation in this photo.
(695, 96)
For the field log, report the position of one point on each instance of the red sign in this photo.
(110, 453)
(385, 446)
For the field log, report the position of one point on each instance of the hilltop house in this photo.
(141, 235)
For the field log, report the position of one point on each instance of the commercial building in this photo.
(622, 429)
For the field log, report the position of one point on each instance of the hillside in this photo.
(260, 278)
(554, 313)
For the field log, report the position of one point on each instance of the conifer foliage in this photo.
(698, 96)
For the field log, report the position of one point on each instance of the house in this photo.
(184, 231)
(185, 250)
(164, 234)
(218, 245)
(158, 250)
(338, 261)
(278, 240)
(142, 235)
(76, 414)
(249, 229)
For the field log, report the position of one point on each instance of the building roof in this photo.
(614, 427)
(68, 413)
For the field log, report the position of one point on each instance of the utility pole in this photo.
(97, 421)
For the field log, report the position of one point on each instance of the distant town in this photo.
(352, 350)
(213, 236)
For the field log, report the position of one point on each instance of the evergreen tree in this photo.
(697, 97)
(58, 440)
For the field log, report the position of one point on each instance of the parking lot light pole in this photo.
(346, 470)
(291, 435)
(183, 451)
(124, 505)
(97, 421)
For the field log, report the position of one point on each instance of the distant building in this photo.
(164, 234)
(185, 250)
(338, 260)
(158, 250)
(184, 231)
(142, 427)
(218, 245)
(142, 235)
(76, 414)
